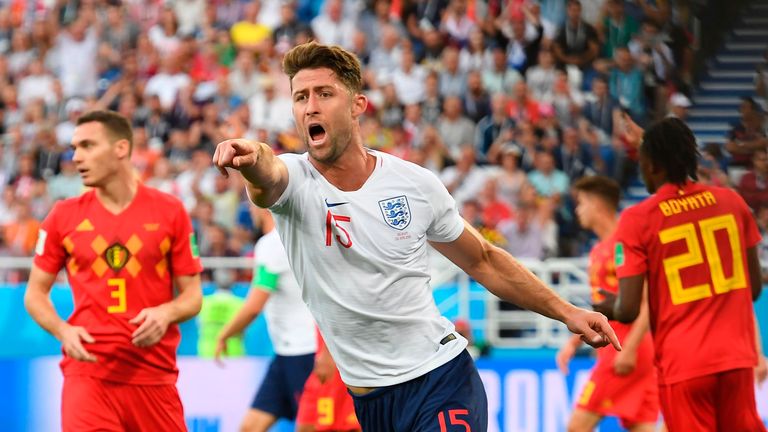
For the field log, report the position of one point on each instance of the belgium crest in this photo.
(116, 256)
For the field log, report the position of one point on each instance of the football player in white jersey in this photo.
(275, 291)
(356, 224)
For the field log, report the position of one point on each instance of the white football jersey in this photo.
(361, 260)
(289, 323)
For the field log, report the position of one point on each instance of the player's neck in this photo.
(350, 171)
(605, 227)
(118, 193)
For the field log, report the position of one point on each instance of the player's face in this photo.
(95, 157)
(325, 112)
(586, 204)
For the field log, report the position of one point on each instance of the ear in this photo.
(359, 105)
(122, 148)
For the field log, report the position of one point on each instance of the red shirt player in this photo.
(623, 383)
(124, 247)
(325, 404)
(696, 247)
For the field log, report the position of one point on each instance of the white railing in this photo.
(504, 327)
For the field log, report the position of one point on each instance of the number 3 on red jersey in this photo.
(708, 227)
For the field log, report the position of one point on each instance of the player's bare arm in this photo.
(505, 277)
(38, 303)
(153, 322)
(626, 360)
(755, 272)
(266, 174)
(254, 304)
(626, 306)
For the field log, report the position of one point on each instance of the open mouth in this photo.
(316, 133)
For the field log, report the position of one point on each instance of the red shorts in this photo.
(723, 401)
(327, 406)
(92, 404)
(633, 398)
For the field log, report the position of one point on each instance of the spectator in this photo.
(601, 107)
(657, 60)
(627, 84)
(286, 33)
(408, 79)
(678, 106)
(523, 107)
(511, 179)
(495, 208)
(573, 157)
(164, 35)
(190, 15)
(268, 110)
(217, 310)
(577, 42)
(36, 85)
(456, 23)
(373, 20)
(21, 233)
(331, 27)
(753, 185)
(67, 183)
(745, 138)
(548, 181)
(541, 77)
(21, 54)
(476, 101)
(475, 55)
(386, 56)
(168, 82)
(432, 105)
(79, 41)
(499, 78)
(522, 52)
(761, 78)
(456, 130)
(565, 100)
(525, 235)
(119, 34)
(453, 82)
(465, 179)
(616, 28)
(249, 33)
(494, 130)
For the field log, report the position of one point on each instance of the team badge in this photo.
(116, 256)
(396, 212)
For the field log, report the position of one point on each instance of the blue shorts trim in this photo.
(450, 398)
(283, 383)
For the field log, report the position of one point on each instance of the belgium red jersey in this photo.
(118, 265)
(690, 241)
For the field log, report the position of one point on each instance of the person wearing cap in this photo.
(678, 106)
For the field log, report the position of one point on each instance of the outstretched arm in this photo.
(505, 277)
(265, 174)
(254, 304)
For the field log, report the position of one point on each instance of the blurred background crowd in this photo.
(507, 101)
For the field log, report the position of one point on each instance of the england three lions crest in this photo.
(396, 212)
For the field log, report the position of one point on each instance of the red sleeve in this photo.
(630, 251)
(50, 252)
(751, 232)
(185, 257)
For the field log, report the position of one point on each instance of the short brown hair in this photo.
(604, 187)
(312, 55)
(117, 126)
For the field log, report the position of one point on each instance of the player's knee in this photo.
(257, 421)
(575, 425)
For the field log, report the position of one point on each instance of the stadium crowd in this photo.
(509, 101)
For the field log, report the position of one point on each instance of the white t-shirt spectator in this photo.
(166, 87)
(77, 64)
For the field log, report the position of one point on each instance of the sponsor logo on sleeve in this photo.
(40, 246)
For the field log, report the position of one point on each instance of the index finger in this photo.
(607, 330)
(216, 155)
